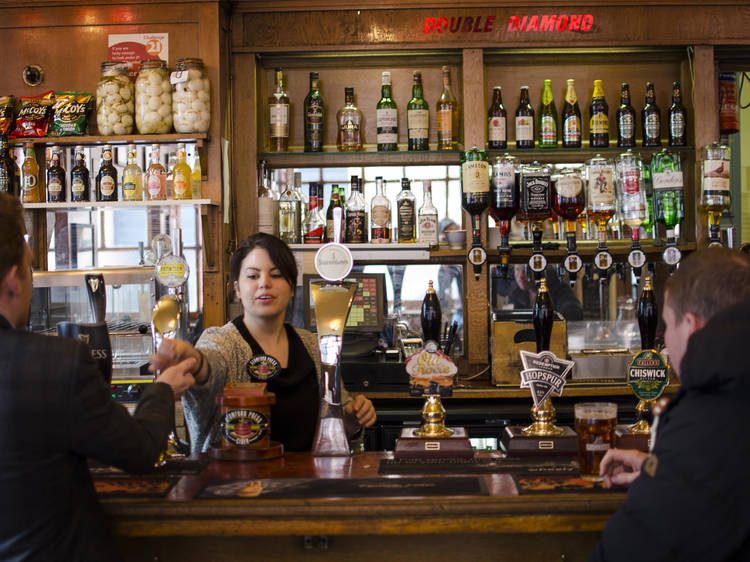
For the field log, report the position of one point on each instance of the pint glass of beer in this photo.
(595, 426)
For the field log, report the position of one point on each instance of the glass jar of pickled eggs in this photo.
(153, 98)
(191, 97)
(114, 100)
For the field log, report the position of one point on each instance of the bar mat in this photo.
(267, 488)
(477, 466)
(134, 486)
(558, 484)
(176, 467)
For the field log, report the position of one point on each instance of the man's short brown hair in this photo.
(709, 281)
(12, 231)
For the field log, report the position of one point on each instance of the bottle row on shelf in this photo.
(532, 128)
(178, 180)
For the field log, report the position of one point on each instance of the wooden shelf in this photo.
(121, 139)
(119, 204)
(369, 158)
(378, 253)
(569, 155)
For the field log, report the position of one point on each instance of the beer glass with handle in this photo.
(595, 426)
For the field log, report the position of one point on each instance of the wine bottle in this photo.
(386, 117)
(625, 116)
(497, 138)
(572, 128)
(418, 117)
(431, 316)
(524, 121)
(547, 118)
(599, 118)
(651, 118)
(677, 117)
(447, 113)
(314, 109)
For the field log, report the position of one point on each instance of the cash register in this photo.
(364, 364)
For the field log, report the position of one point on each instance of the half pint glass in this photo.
(595, 426)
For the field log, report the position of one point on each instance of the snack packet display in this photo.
(7, 108)
(69, 113)
(33, 116)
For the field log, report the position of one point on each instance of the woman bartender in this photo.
(259, 346)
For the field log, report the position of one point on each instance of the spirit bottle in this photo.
(30, 176)
(181, 175)
(677, 117)
(406, 211)
(504, 202)
(56, 183)
(524, 121)
(427, 218)
(632, 195)
(314, 109)
(536, 207)
(313, 228)
(475, 195)
(447, 115)
(497, 138)
(572, 127)
(156, 177)
(380, 215)
(386, 117)
(625, 118)
(106, 179)
(290, 208)
(278, 116)
(268, 204)
(8, 180)
(651, 118)
(418, 117)
(349, 122)
(667, 179)
(599, 118)
(356, 215)
(132, 178)
(547, 118)
(333, 204)
(715, 194)
(568, 202)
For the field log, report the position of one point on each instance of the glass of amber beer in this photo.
(595, 426)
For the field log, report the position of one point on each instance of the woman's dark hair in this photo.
(278, 251)
(12, 230)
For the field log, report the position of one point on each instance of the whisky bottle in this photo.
(380, 215)
(30, 176)
(106, 179)
(406, 211)
(524, 121)
(56, 192)
(181, 175)
(430, 316)
(386, 117)
(625, 119)
(677, 117)
(278, 116)
(599, 118)
(80, 179)
(572, 127)
(447, 115)
(314, 109)
(156, 177)
(497, 138)
(132, 178)
(427, 217)
(356, 215)
(547, 118)
(418, 117)
(349, 122)
(651, 118)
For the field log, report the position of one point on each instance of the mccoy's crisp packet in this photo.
(69, 113)
(32, 118)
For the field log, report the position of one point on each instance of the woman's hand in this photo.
(621, 466)
(361, 409)
(173, 351)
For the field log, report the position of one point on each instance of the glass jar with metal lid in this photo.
(115, 94)
(153, 98)
(191, 96)
(536, 192)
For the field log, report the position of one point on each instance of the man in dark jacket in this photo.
(690, 497)
(55, 412)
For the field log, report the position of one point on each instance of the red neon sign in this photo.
(484, 24)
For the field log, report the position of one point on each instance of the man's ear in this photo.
(11, 284)
(694, 323)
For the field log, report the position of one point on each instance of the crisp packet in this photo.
(32, 118)
(69, 113)
(7, 107)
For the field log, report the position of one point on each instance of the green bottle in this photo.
(547, 132)
(418, 117)
(386, 117)
(666, 173)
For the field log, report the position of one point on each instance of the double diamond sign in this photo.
(543, 374)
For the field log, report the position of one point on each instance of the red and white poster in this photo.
(135, 47)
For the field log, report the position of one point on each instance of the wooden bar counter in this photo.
(499, 525)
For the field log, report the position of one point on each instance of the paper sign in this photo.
(135, 47)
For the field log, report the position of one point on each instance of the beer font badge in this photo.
(477, 255)
(544, 374)
(648, 374)
(244, 427)
(636, 258)
(671, 255)
(603, 260)
(262, 368)
(172, 271)
(537, 263)
(333, 261)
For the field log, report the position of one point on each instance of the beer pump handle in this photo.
(543, 317)
(97, 295)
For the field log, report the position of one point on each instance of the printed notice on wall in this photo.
(135, 47)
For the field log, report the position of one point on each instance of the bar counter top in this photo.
(530, 523)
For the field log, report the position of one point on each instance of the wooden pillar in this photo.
(476, 304)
